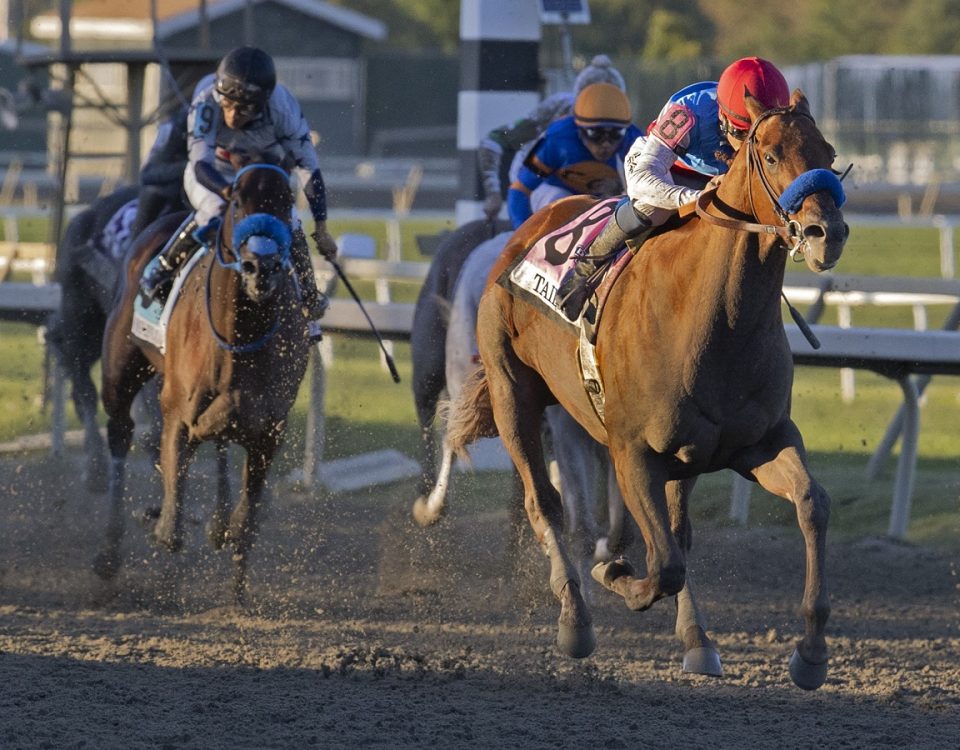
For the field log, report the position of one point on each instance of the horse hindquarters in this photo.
(518, 397)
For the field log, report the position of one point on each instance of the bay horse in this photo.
(697, 372)
(236, 353)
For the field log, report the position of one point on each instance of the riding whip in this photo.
(356, 297)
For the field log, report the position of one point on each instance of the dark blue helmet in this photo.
(247, 75)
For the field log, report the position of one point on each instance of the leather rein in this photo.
(235, 266)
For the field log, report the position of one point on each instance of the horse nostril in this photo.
(249, 267)
(814, 232)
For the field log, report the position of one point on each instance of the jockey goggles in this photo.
(604, 134)
(245, 109)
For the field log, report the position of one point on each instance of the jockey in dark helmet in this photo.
(242, 109)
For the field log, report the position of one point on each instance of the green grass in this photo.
(367, 411)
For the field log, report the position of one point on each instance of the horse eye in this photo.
(768, 158)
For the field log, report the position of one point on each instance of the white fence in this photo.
(846, 350)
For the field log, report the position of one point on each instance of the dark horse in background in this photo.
(697, 373)
(236, 353)
(87, 272)
(75, 330)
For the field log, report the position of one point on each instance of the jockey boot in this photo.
(314, 302)
(156, 283)
(578, 284)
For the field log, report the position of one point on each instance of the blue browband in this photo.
(809, 183)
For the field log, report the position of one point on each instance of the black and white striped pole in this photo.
(499, 82)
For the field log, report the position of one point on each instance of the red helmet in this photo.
(761, 78)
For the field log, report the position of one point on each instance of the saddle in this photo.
(535, 276)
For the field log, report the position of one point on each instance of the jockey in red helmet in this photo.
(701, 126)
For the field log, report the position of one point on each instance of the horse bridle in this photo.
(269, 231)
(789, 230)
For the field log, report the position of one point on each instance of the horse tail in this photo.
(471, 415)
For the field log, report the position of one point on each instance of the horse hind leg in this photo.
(517, 394)
(427, 509)
(124, 372)
(74, 341)
(700, 653)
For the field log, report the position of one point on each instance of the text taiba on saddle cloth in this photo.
(535, 275)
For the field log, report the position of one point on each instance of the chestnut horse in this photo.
(697, 373)
(236, 352)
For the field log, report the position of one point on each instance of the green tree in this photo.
(672, 36)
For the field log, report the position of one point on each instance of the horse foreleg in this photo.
(427, 510)
(643, 483)
(176, 450)
(779, 465)
(221, 511)
(518, 396)
(244, 520)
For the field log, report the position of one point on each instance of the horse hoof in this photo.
(703, 660)
(605, 573)
(106, 565)
(422, 513)
(577, 642)
(170, 544)
(806, 675)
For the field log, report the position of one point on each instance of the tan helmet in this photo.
(601, 105)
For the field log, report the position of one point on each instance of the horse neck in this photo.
(757, 255)
(734, 277)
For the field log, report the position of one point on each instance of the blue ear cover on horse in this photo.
(262, 225)
(809, 183)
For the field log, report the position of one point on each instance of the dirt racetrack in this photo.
(366, 631)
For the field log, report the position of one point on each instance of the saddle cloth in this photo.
(115, 236)
(150, 319)
(535, 275)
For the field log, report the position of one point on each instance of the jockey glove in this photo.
(326, 245)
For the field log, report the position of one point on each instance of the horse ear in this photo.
(798, 101)
(753, 105)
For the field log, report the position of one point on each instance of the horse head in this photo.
(256, 228)
(791, 184)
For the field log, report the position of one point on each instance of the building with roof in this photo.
(319, 50)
